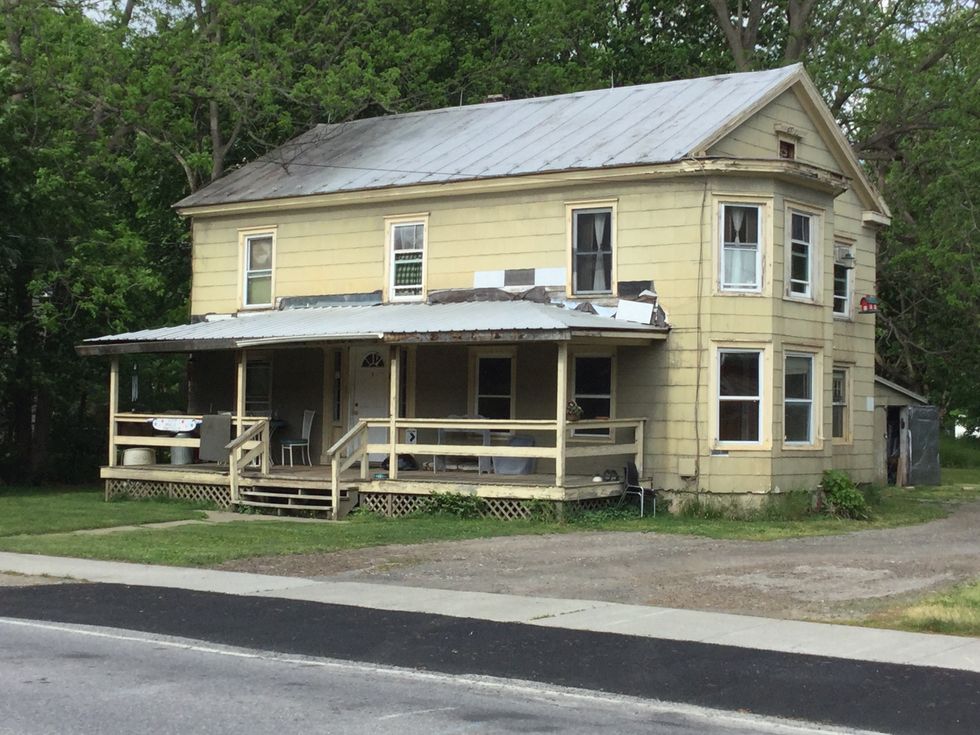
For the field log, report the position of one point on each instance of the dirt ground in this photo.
(820, 578)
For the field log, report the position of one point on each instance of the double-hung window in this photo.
(801, 255)
(257, 282)
(798, 399)
(495, 386)
(592, 250)
(842, 280)
(592, 389)
(740, 396)
(407, 261)
(741, 247)
(840, 404)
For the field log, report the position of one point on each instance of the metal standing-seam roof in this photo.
(392, 322)
(622, 126)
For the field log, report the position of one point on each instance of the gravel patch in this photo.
(821, 578)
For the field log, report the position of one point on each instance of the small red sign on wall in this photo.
(869, 304)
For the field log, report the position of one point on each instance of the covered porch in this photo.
(482, 412)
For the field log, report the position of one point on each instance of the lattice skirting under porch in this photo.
(506, 509)
(219, 495)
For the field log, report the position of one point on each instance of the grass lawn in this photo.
(961, 476)
(53, 510)
(199, 545)
(956, 612)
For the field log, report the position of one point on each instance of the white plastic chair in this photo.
(302, 444)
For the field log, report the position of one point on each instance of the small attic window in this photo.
(787, 149)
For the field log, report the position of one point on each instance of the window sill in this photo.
(738, 292)
(256, 307)
(729, 447)
(843, 318)
(793, 447)
(809, 300)
(843, 442)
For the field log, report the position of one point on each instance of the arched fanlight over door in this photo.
(373, 360)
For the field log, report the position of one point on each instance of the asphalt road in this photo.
(884, 697)
(70, 681)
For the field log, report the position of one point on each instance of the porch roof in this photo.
(473, 321)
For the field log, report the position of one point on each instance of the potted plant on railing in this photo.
(573, 411)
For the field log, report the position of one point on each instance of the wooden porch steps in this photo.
(305, 499)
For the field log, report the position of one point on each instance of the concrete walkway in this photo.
(211, 517)
(838, 641)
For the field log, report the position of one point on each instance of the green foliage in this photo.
(453, 504)
(842, 497)
(962, 453)
(795, 505)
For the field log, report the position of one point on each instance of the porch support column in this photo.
(240, 361)
(113, 409)
(394, 366)
(561, 401)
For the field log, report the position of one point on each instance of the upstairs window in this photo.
(257, 285)
(801, 255)
(407, 264)
(843, 267)
(798, 399)
(741, 248)
(740, 396)
(787, 149)
(592, 251)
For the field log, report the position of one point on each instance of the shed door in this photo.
(923, 437)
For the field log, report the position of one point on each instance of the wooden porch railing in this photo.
(575, 444)
(354, 444)
(251, 445)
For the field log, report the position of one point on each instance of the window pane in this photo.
(592, 250)
(839, 387)
(801, 227)
(594, 407)
(493, 377)
(738, 421)
(798, 377)
(838, 432)
(740, 269)
(593, 376)
(800, 263)
(741, 225)
(408, 270)
(408, 237)
(841, 280)
(258, 290)
(797, 422)
(493, 408)
(259, 253)
(739, 374)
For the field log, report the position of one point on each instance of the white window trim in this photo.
(811, 401)
(478, 353)
(590, 205)
(244, 237)
(572, 395)
(848, 313)
(814, 254)
(848, 404)
(764, 256)
(391, 222)
(765, 413)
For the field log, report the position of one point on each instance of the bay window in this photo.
(741, 247)
(798, 399)
(740, 396)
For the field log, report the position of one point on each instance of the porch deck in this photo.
(311, 488)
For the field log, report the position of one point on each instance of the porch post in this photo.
(113, 409)
(393, 403)
(240, 360)
(561, 401)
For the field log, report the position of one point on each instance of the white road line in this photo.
(750, 722)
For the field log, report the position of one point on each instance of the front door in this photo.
(369, 369)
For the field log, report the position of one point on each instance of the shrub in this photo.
(453, 504)
(842, 498)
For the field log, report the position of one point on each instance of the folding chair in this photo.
(631, 486)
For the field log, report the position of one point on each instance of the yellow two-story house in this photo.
(518, 298)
